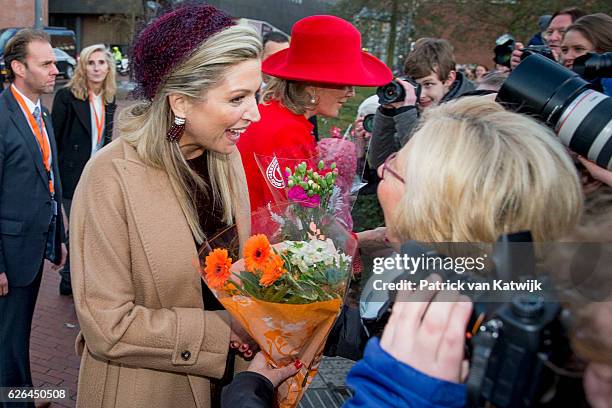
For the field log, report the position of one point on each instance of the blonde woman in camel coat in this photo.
(146, 337)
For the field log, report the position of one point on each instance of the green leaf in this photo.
(280, 294)
(335, 275)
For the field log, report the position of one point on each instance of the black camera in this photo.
(543, 50)
(395, 92)
(519, 350)
(368, 122)
(504, 45)
(520, 357)
(591, 65)
(580, 116)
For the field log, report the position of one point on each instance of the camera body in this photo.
(395, 92)
(504, 45)
(542, 50)
(513, 352)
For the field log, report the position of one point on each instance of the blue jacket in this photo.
(606, 86)
(379, 380)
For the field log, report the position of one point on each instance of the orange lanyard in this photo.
(43, 143)
(99, 121)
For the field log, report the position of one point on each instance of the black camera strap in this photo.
(482, 349)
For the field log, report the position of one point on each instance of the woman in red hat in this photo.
(316, 75)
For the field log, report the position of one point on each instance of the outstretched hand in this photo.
(598, 173)
(275, 375)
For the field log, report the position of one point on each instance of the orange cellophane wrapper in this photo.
(287, 332)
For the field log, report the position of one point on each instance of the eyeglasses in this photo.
(386, 168)
(345, 88)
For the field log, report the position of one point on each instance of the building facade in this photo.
(114, 22)
(20, 13)
(111, 22)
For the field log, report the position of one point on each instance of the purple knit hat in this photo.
(169, 40)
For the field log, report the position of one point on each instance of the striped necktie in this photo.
(38, 118)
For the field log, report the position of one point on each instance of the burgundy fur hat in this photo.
(169, 40)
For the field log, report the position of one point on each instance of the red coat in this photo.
(282, 134)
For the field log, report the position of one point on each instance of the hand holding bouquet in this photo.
(286, 295)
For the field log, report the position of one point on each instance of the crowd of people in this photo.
(142, 192)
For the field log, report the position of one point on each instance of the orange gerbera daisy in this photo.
(217, 268)
(256, 253)
(274, 269)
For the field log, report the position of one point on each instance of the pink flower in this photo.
(298, 195)
(342, 152)
(335, 132)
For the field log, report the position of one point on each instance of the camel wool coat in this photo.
(145, 339)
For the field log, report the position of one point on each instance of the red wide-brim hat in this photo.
(327, 49)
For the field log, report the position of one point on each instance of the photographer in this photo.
(554, 33)
(469, 174)
(432, 66)
(538, 38)
(592, 33)
(419, 360)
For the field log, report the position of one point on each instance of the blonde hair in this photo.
(78, 83)
(291, 94)
(144, 125)
(475, 171)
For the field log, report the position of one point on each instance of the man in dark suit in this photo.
(31, 227)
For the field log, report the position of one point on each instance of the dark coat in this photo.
(248, 390)
(72, 125)
(25, 200)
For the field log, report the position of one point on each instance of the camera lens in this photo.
(390, 93)
(591, 66)
(581, 117)
(368, 122)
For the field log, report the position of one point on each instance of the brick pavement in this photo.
(53, 359)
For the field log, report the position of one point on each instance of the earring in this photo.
(313, 98)
(176, 130)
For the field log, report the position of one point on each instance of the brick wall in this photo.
(106, 30)
(20, 13)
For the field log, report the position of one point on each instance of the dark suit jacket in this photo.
(72, 126)
(25, 200)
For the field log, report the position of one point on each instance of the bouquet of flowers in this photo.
(310, 184)
(287, 289)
